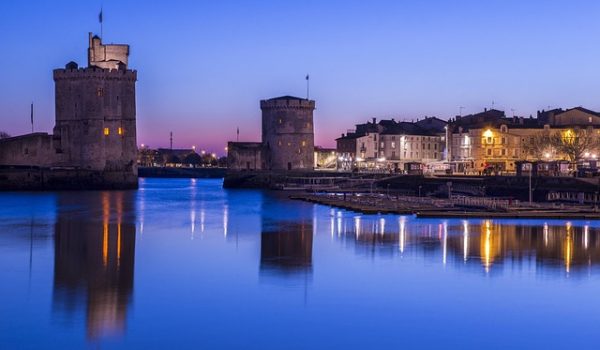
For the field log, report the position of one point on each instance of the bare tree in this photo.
(574, 144)
(4, 135)
(539, 145)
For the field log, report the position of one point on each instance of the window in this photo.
(303, 143)
(393, 144)
(382, 145)
(489, 152)
(503, 140)
(106, 132)
(489, 140)
(279, 143)
(280, 121)
(393, 154)
(120, 131)
(503, 151)
(99, 92)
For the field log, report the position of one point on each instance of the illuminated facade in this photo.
(388, 145)
(490, 141)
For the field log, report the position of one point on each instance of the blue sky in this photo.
(203, 66)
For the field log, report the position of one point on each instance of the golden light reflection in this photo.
(119, 243)
(105, 244)
(105, 220)
(568, 250)
(488, 133)
(487, 246)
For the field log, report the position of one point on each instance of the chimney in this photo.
(374, 120)
(485, 109)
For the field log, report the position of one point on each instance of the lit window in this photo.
(120, 131)
(106, 131)
(100, 92)
(303, 143)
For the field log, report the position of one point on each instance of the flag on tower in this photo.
(307, 77)
(100, 16)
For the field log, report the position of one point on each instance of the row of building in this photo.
(476, 143)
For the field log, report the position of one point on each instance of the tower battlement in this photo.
(94, 73)
(287, 102)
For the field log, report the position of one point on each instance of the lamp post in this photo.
(530, 193)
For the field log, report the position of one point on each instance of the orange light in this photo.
(120, 131)
(106, 131)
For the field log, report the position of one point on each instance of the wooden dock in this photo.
(457, 207)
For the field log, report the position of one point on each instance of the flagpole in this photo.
(102, 22)
(32, 117)
(307, 87)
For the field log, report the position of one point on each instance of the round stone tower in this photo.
(288, 133)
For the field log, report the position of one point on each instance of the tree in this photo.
(574, 144)
(193, 159)
(4, 135)
(539, 146)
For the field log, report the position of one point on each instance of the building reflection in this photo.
(94, 259)
(287, 247)
(486, 244)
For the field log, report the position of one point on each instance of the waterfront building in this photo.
(390, 145)
(287, 138)
(490, 141)
(95, 132)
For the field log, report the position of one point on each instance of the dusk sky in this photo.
(203, 66)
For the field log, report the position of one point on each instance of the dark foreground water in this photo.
(186, 264)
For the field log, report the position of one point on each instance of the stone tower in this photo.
(288, 133)
(96, 114)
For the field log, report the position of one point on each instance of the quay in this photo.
(454, 207)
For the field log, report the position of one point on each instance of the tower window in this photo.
(99, 92)
(280, 121)
(120, 131)
(106, 132)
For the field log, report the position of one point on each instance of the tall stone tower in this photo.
(288, 133)
(96, 114)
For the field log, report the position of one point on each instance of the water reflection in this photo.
(484, 243)
(286, 245)
(94, 260)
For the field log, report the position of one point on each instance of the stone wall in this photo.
(32, 149)
(245, 156)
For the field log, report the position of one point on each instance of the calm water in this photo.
(186, 264)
